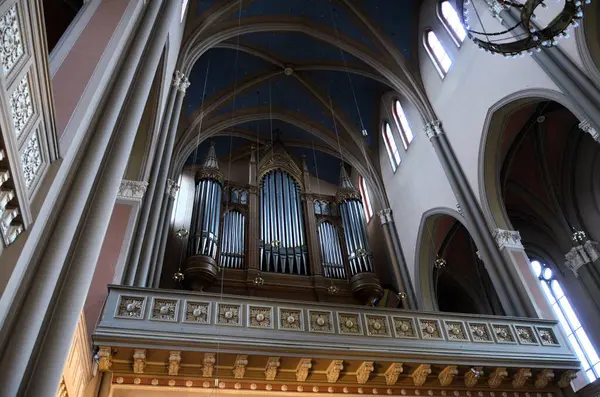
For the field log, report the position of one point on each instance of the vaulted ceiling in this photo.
(315, 70)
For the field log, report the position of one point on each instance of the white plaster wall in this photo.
(418, 184)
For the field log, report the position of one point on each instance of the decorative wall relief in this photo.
(31, 159)
(11, 45)
(197, 312)
(21, 105)
(131, 307)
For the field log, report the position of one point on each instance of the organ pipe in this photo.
(282, 248)
(206, 213)
(232, 240)
(331, 251)
(354, 223)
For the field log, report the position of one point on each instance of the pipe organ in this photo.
(331, 251)
(233, 240)
(201, 267)
(283, 247)
(364, 281)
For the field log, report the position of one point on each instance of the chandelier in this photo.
(526, 32)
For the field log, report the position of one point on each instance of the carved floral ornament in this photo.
(507, 238)
(132, 190)
(11, 45)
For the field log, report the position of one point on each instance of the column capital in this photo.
(180, 81)
(433, 129)
(581, 255)
(132, 190)
(507, 238)
(586, 126)
(495, 8)
(172, 188)
(385, 216)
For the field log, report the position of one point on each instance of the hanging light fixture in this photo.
(524, 35)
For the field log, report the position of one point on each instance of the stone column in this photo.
(509, 243)
(39, 347)
(145, 268)
(509, 290)
(402, 279)
(312, 236)
(253, 217)
(151, 193)
(162, 233)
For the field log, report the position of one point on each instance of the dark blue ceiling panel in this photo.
(321, 12)
(323, 165)
(222, 144)
(222, 71)
(203, 5)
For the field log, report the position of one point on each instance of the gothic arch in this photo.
(586, 36)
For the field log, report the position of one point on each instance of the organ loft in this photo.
(299, 198)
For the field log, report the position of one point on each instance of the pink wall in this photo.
(107, 262)
(75, 72)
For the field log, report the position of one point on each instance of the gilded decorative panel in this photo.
(503, 333)
(377, 325)
(197, 312)
(320, 321)
(131, 307)
(11, 45)
(547, 336)
(31, 159)
(480, 332)
(229, 314)
(260, 316)
(291, 319)
(430, 329)
(349, 323)
(455, 330)
(526, 335)
(21, 105)
(404, 327)
(164, 309)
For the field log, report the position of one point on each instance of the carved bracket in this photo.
(419, 375)
(302, 369)
(174, 360)
(239, 368)
(392, 373)
(104, 358)
(566, 378)
(271, 368)
(139, 361)
(364, 371)
(473, 375)
(333, 371)
(542, 379)
(497, 377)
(209, 365)
(521, 377)
(447, 375)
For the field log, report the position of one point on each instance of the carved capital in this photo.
(364, 371)
(385, 216)
(239, 368)
(174, 360)
(433, 129)
(447, 375)
(542, 379)
(172, 188)
(302, 369)
(520, 378)
(333, 371)
(139, 361)
(392, 374)
(473, 375)
(495, 8)
(566, 378)
(581, 255)
(183, 85)
(271, 368)
(177, 77)
(587, 127)
(104, 358)
(419, 375)
(208, 365)
(507, 238)
(497, 377)
(132, 190)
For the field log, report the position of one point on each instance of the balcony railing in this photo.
(524, 352)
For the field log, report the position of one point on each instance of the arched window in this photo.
(590, 363)
(365, 199)
(390, 146)
(450, 19)
(438, 54)
(402, 124)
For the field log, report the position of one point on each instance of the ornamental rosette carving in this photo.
(229, 314)
(21, 105)
(31, 160)
(11, 45)
(349, 323)
(261, 317)
(302, 369)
